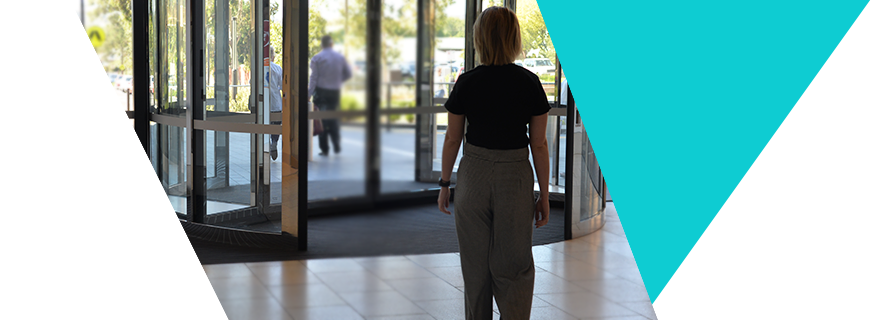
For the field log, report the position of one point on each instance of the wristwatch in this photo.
(443, 183)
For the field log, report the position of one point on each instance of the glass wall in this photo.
(337, 165)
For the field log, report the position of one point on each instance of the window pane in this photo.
(538, 55)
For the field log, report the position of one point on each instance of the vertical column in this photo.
(511, 4)
(374, 54)
(295, 113)
(195, 111)
(424, 59)
(571, 113)
(256, 104)
(473, 9)
(221, 90)
(141, 72)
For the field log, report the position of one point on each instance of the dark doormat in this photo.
(400, 231)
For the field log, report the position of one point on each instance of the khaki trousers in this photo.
(494, 209)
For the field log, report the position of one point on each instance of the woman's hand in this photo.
(443, 200)
(542, 212)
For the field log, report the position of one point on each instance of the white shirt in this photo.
(274, 87)
(329, 71)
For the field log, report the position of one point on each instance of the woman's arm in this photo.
(452, 142)
(538, 142)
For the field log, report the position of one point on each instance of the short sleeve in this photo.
(454, 104)
(541, 100)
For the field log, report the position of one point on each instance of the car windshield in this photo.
(543, 63)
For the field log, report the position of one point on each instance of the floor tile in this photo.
(436, 260)
(239, 288)
(423, 316)
(173, 303)
(322, 313)
(605, 259)
(544, 253)
(353, 281)
(287, 273)
(397, 269)
(332, 265)
(44, 309)
(166, 281)
(617, 290)
(586, 305)
(426, 289)
(305, 295)
(254, 309)
(452, 275)
(453, 309)
(41, 288)
(549, 313)
(135, 312)
(574, 270)
(381, 303)
(546, 282)
(226, 270)
(81, 278)
(572, 246)
(106, 295)
(644, 308)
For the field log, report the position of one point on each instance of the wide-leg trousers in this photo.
(494, 210)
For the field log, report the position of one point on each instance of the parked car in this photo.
(124, 84)
(29, 83)
(539, 66)
(44, 82)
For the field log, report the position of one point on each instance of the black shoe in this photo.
(337, 150)
(273, 154)
(323, 154)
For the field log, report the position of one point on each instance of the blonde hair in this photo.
(497, 36)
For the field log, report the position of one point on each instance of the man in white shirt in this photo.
(329, 71)
(274, 99)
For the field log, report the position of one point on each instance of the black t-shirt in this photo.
(498, 102)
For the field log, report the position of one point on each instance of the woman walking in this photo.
(495, 204)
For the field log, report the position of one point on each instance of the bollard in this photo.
(24, 140)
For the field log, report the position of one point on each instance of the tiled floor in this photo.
(592, 277)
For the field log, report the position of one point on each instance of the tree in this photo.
(534, 33)
(117, 48)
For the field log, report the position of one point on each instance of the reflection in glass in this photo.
(341, 175)
(538, 55)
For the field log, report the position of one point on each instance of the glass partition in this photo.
(339, 170)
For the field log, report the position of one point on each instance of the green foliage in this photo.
(240, 103)
(350, 103)
(534, 33)
(117, 48)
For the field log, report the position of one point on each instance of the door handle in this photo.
(78, 109)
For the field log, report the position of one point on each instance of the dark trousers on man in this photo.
(328, 100)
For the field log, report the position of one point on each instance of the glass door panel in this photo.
(340, 173)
